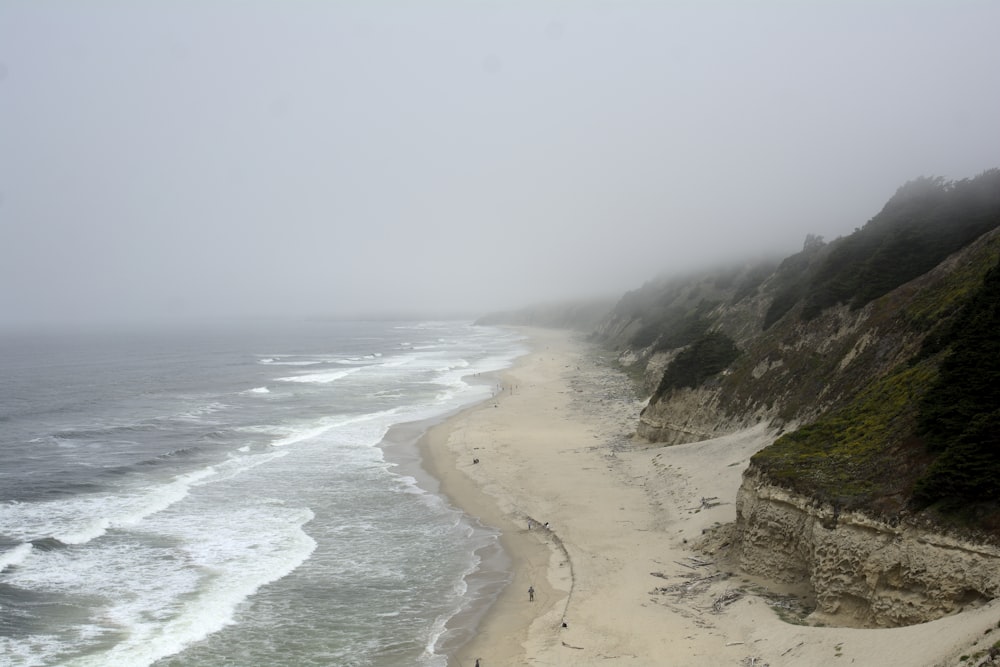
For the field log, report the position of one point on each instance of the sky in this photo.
(187, 159)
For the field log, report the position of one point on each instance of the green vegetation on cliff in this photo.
(960, 414)
(847, 456)
(926, 220)
(706, 357)
(667, 316)
(791, 280)
(927, 433)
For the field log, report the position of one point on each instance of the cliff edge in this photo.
(877, 358)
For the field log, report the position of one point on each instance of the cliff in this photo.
(876, 357)
(860, 570)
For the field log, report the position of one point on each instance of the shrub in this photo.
(706, 357)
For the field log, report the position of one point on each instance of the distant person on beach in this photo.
(477, 662)
(531, 593)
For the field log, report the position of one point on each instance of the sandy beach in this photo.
(603, 529)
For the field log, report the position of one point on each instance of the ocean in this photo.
(239, 496)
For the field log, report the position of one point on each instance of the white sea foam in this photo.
(320, 378)
(28, 652)
(169, 602)
(368, 428)
(85, 518)
(396, 362)
(86, 531)
(162, 615)
(164, 496)
(310, 362)
(287, 360)
(388, 394)
(429, 656)
(237, 464)
(302, 434)
(258, 390)
(199, 412)
(15, 556)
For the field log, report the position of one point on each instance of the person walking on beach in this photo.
(531, 593)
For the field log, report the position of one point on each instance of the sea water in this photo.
(225, 497)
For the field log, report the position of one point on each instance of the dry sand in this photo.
(616, 563)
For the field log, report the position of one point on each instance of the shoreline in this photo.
(405, 446)
(491, 622)
(618, 565)
(538, 557)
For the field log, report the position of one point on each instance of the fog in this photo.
(175, 160)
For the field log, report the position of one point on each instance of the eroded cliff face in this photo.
(792, 370)
(862, 571)
(692, 415)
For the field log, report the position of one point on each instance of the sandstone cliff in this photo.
(861, 570)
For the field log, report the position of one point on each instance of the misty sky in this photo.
(182, 159)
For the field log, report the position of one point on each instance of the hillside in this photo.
(876, 359)
(876, 352)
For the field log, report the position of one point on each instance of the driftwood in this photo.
(691, 585)
(706, 503)
(727, 598)
(789, 650)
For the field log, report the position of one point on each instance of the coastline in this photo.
(531, 393)
(496, 623)
(617, 565)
